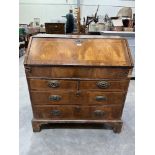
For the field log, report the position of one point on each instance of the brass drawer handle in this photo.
(103, 84)
(56, 112)
(101, 98)
(99, 113)
(53, 84)
(55, 98)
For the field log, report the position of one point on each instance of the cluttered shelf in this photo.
(114, 33)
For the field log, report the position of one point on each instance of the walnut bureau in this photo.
(78, 79)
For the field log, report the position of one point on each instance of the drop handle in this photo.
(99, 113)
(56, 112)
(101, 98)
(54, 98)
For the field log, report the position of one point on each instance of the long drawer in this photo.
(77, 112)
(77, 72)
(74, 97)
(104, 85)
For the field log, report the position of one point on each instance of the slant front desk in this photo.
(78, 79)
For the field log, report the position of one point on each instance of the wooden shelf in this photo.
(118, 33)
(114, 33)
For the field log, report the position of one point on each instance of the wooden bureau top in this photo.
(75, 50)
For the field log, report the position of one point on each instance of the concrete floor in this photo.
(68, 141)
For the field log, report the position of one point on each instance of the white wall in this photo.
(48, 10)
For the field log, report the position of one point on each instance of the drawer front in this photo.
(53, 97)
(105, 85)
(77, 112)
(109, 98)
(76, 72)
(72, 97)
(38, 84)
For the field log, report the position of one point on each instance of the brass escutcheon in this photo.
(103, 84)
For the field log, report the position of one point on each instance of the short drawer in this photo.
(77, 112)
(108, 98)
(42, 84)
(77, 72)
(53, 97)
(105, 85)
